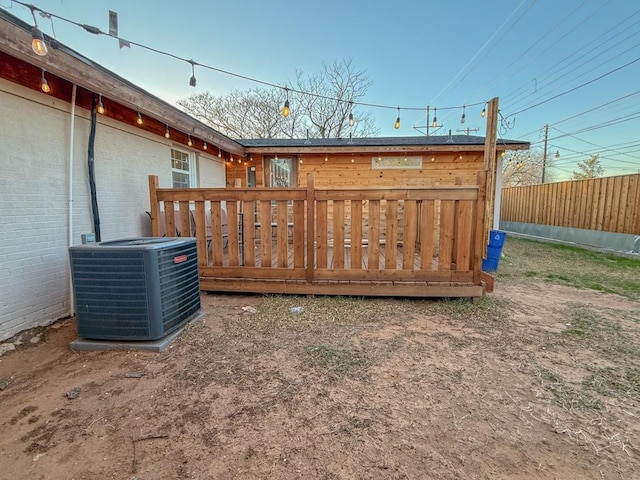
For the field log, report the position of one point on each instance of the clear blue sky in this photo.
(573, 57)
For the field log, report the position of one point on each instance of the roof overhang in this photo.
(377, 145)
(15, 40)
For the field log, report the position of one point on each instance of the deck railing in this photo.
(365, 241)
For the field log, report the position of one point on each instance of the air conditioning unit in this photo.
(134, 289)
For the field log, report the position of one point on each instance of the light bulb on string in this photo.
(44, 85)
(286, 110)
(166, 133)
(189, 142)
(139, 119)
(100, 105)
(463, 118)
(37, 38)
(435, 118)
(205, 146)
(352, 120)
(326, 158)
(483, 113)
(397, 124)
(192, 80)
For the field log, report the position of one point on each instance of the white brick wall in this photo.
(34, 203)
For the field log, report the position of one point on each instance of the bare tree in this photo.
(322, 111)
(334, 92)
(589, 169)
(522, 167)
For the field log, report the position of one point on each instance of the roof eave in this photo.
(73, 67)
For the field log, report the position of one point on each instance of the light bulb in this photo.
(219, 153)
(351, 120)
(192, 80)
(483, 112)
(189, 142)
(286, 110)
(326, 158)
(100, 105)
(139, 119)
(37, 42)
(204, 146)
(397, 124)
(44, 85)
(166, 133)
(435, 118)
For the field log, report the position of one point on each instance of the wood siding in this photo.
(610, 204)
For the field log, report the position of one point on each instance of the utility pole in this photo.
(544, 156)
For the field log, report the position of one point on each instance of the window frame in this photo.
(293, 172)
(191, 173)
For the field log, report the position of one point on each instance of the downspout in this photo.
(72, 127)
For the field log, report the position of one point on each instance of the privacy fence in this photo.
(610, 204)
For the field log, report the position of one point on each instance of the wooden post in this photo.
(154, 208)
(311, 230)
(479, 237)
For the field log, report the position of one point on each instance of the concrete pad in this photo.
(89, 345)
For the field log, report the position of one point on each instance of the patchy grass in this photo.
(335, 359)
(570, 266)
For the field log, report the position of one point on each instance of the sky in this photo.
(572, 64)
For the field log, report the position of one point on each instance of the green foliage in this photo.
(589, 169)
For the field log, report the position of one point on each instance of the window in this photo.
(281, 172)
(182, 169)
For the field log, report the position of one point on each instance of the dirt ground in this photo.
(538, 381)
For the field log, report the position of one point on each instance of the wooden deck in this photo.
(437, 234)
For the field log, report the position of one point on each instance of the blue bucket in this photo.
(496, 238)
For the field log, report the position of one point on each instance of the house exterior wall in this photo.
(34, 196)
(340, 171)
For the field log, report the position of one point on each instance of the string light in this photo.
(36, 33)
(326, 157)
(44, 85)
(204, 146)
(464, 114)
(192, 80)
(189, 142)
(219, 153)
(435, 118)
(483, 113)
(166, 133)
(286, 110)
(37, 38)
(139, 119)
(397, 124)
(351, 119)
(100, 105)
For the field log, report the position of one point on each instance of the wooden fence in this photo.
(610, 204)
(332, 241)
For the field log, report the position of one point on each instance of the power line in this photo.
(575, 88)
(96, 31)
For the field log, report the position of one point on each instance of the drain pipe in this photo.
(72, 127)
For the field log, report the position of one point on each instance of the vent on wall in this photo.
(134, 289)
